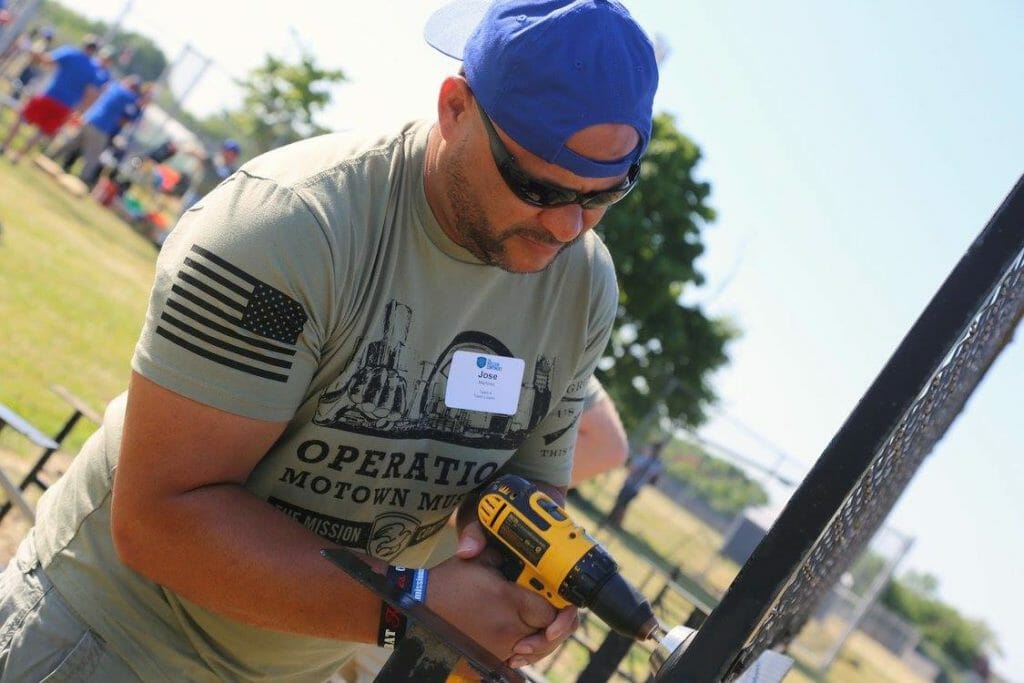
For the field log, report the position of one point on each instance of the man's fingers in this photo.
(535, 611)
(566, 622)
(537, 646)
(471, 541)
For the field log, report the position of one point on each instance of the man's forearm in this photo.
(227, 551)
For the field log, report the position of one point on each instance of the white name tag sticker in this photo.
(486, 383)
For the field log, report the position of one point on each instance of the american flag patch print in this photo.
(218, 311)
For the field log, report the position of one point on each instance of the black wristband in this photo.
(392, 626)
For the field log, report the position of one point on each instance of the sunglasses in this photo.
(546, 195)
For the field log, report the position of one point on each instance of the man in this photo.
(211, 171)
(645, 468)
(18, 59)
(346, 340)
(120, 103)
(73, 86)
(103, 62)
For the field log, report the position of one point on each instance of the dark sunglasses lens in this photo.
(533, 192)
(604, 199)
(543, 195)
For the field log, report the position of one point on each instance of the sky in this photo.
(854, 151)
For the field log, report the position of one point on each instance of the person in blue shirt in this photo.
(73, 87)
(120, 103)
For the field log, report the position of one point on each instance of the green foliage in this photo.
(147, 60)
(68, 25)
(662, 351)
(720, 484)
(282, 101)
(964, 640)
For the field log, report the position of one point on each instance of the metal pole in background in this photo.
(23, 14)
(179, 98)
(115, 26)
(869, 599)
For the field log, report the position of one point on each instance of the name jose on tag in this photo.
(484, 382)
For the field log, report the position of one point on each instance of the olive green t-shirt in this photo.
(316, 287)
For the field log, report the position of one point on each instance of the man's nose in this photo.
(565, 223)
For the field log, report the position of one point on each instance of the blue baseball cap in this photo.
(545, 69)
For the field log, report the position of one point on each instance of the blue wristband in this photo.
(419, 585)
(411, 581)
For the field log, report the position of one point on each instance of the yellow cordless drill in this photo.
(546, 552)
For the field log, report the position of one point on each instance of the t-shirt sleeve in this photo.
(595, 393)
(233, 317)
(546, 455)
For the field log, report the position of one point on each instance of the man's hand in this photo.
(470, 592)
(537, 646)
(517, 625)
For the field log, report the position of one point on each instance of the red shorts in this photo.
(46, 114)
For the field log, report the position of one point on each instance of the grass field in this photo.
(74, 282)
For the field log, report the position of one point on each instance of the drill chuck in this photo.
(627, 612)
(595, 583)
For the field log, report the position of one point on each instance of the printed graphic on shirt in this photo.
(384, 537)
(220, 312)
(380, 395)
(571, 408)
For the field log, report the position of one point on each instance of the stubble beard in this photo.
(479, 236)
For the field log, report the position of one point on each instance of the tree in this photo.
(964, 640)
(144, 57)
(662, 350)
(282, 101)
(140, 56)
(725, 488)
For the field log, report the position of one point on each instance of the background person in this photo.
(73, 85)
(120, 103)
(211, 170)
(18, 60)
(305, 376)
(644, 468)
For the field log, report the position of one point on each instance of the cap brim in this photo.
(448, 29)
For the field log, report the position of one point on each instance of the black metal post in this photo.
(847, 457)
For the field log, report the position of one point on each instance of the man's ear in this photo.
(454, 104)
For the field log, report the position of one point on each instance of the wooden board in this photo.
(73, 184)
(47, 164)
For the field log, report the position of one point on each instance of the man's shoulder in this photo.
(67, 52)
(591, 256)
(327, 158)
